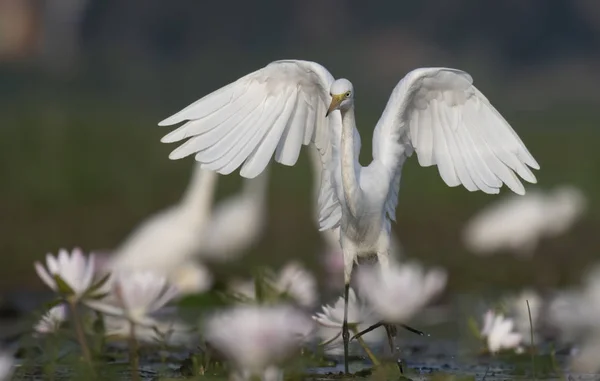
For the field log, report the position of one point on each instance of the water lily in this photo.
(292, 281)
(360, 317)
(72, 276)
(69, 274)
(135, 296)
(255, 338)
(298, 283)
(51, 320)
(499, 334)
(398, 292)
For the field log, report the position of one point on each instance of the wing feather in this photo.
(440, 148)
(274, 108)
(260, 157)
(270, 112)
(288, 150)
(438, 113)
(226, 145)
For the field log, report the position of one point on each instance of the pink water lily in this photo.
(298, 283)
(399, 292)
(255, 338)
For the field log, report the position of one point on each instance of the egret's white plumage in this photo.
(518, 224)
(435, 112)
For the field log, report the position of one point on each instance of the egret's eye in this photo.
(347, 94)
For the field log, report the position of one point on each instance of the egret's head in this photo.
(342, 95)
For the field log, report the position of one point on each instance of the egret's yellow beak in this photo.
(335, 103)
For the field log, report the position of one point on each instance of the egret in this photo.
(435, 112)
(168, 241)
(519, 224)
(172, 240)
(237, 222)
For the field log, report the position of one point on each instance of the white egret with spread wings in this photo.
(435, 112)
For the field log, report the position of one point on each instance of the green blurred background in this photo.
(83, 84)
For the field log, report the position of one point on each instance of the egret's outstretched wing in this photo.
(274, 110)
(438, 113)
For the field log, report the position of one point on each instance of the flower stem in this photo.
(133, 353)
(79, 332)
(362, 343)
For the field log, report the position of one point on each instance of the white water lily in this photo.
(136, 296)
(51, 320)
(398, 292)
(360, 317)
(499, 334)
(255, 338)
(298, 283)
(293, 280)
(75, 270)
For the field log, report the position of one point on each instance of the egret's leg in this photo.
(348, 265)
(391, 335)
(345, 332)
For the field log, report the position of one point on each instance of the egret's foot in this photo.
(377, 325)
(413, 330)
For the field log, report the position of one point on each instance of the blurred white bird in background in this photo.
(436, 112)
(173, 241)
(169, 241)
(237, 223)
(518, 224)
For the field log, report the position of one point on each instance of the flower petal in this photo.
(44, 276)
(105, 308)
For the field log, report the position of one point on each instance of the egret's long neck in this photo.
(198, 198)
(350, 165)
